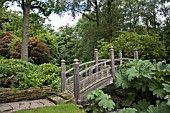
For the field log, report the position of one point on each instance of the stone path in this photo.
(25, 105)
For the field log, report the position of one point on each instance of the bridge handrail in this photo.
(118, 59)
(81, 72)
(101, 60)
(86, 63)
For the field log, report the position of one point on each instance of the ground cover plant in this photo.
(15, 73)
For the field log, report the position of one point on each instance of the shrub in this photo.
(5, 39)
(149, 47)
(20, 74)
(38, 51)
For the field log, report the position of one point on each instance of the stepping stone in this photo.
(55, 99)
(5, 108)
(47, 102)
(40, 103)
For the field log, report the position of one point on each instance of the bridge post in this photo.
(76, 80)
(112, 62)
(63, 76)
(96, 58)
(136, 56)
(120, 57)
(154, 61)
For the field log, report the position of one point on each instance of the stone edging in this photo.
(19, 94)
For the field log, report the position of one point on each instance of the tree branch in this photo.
(84, 14)
(40, 8)
(91, 3)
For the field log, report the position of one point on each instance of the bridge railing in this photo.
(67, 85)
(89, 73)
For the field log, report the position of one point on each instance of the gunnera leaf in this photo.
(141, 105)
(160, 108)
(127, 110)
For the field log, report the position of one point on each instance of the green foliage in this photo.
(159, 108)
(19, 74)
(10, 21)
(66, 40)
(143, 76)
(99, 101)
(142, 108)
(51, 73)
(141, 105)
(127, 110)
(149, 47)
(167, 89)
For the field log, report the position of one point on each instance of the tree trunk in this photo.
(97, 19)
(109, 20)
(25, 29)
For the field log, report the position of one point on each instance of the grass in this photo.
(59, 108)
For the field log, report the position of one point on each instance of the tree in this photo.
(67, 40)
(28, 7)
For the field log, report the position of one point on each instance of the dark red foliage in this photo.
(5, 39)
(38, 51)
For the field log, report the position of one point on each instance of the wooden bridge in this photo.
(86, 77)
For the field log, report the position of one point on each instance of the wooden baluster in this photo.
(112, 62)
(105, 66)
(76, 80)
(63, 76)
(136, 56)
(96, 58)
(120, 57)
(83, 84)
(86, 73)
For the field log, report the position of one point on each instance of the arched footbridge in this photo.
(84, 78)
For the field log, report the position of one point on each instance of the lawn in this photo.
(60, 108)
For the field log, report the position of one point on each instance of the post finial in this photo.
(111, 47)
(76, 60)
(135, 49)
(63, 61)
(95, 49)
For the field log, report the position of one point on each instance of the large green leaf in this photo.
(157, 89)
(160, 108)
(127, 110)
(167, 87)
(141, 105)
(132, 73)
(122, 80)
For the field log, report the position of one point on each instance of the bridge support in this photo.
(76, 80)
(63, 76)
(112, 62)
